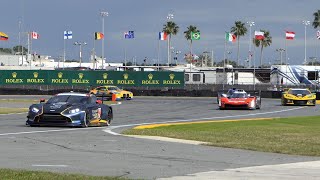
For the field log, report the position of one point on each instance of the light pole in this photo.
(281, 51)
(176, 55)
(312, 60)
(80, 44)
(103, 14)
(250, 23)
(169, 17)
(206, 57)
(306, 23)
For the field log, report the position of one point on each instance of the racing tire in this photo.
(109, 116)
(85, 122)
(283, 102)
(258, 105)
(34, 125)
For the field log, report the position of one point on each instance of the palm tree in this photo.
(316, 21)
(187, 35)
(170, 28)
(239, 30)
(263, 43)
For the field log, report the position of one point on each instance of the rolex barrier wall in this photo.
(92, 78)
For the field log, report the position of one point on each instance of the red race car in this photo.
(240, 100)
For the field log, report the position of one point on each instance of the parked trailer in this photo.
(294, 75)
(232, 76)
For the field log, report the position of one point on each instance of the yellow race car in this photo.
(295, 96)
(109, 90)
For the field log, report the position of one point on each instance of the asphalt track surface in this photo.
(102, 151)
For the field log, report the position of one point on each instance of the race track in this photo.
(101, 151)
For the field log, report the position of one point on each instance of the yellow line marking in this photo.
(150, 126)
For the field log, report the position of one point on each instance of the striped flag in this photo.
(67, 35)
(3, 36)
(163, 36)
(290, 35)
(98, 35)
(259, 35)
(318, 34)
(230, 37)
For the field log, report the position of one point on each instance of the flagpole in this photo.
(125, 55)
(254, 68)
(158, 53)
(168, 43)
(94, 53)
(28, 45)
(286, 53)
(64, 52)
(224, 60)
(191, 57)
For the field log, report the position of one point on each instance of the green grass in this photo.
(19, 100)
(9, 174)
(297, 135)
(12, 110)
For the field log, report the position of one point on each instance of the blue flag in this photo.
(129, 35)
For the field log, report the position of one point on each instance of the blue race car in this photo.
(70, 109)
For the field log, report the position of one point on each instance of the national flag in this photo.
(318, 34)
(259, 35)
(129, 35)
(34, 35)
(195, 35)
(290, 35)
(163, 36)
(3, 36)
(98, 35)
(67, 34)
(230, 37)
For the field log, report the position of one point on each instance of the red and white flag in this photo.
(162, 36)
(34, 35)
(290, 35)
(259, 35)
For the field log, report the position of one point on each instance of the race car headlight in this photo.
(310, 96)
(72, 111)
(35, 110)
(252, 104)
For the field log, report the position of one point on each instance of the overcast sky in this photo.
(146, 18)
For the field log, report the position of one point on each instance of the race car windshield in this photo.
(68, 99)
(239, 95)
(113, 88)
(299, 91)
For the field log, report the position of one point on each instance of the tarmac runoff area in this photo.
(287, 171)
(301, 170)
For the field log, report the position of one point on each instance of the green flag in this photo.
(195, 35)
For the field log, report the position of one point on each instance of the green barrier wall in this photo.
(92, 78)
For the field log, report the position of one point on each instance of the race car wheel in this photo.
(258, 104)
(283, 102)
(109, 116)
(86, 121)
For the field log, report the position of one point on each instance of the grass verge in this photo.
(12, 110)
(36, 175)
(296, 135)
